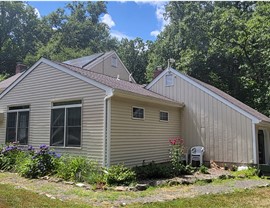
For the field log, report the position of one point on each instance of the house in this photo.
(79, 111)
(230, 131)
(92, 106)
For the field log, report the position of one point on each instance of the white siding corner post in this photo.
(254, 143)
(107, 130)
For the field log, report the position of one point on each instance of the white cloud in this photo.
(155, 33)
(120, 35)
(37, 13)
(107, 19)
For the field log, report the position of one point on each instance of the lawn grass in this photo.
(240, 198)
(12, 197)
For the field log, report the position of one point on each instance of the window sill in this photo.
(57, 147)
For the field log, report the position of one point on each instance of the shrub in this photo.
(38, 163)
(176, 152)
(153, 171)
(8, 156)
(120, 175)
(248, 173)
(77, 168)
(234, 168)
(203, 169)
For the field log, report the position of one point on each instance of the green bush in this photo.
(78, 168)
(203, 169)
(120, 175)
(8, 156)
(153, 171)
(248, 173)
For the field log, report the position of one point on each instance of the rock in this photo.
(132, 188)
(158, 183)
(48, 195)
(141, 187)
(185, 182)
(87, 187)
(69, 182)
(120, 188)
(80, 184)
(123, 204)
(45, 178)
(174, 183)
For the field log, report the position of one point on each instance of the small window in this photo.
(17, 124)
(66, 124)
(114, 62)
(169, 80)
(163, 116)
(138, 113)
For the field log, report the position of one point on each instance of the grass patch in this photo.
(12, 197)
(240, 198)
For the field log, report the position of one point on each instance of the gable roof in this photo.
(117, 84)
(225, 98)
(83, 61)
(107, 83)
(5, 83)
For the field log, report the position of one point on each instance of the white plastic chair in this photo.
(196, 154)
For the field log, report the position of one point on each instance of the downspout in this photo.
(254, 143)
(106, 134)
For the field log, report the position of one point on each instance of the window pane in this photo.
(11, 119)
(19, 107)
(57, 137)
(73, 136)
(164, 116)
(11, 135)
(67, 103)
(169, 80)
(57, 127)
(23, 119)
(138, 113)
(58, 117)
(73, 117)
(22, 137)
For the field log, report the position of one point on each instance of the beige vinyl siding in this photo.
(136, 140)
(225, 133)
(43, 86)
(105, 67)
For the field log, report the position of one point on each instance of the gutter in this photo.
(107, 129)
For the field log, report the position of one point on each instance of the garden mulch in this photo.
(108, 198)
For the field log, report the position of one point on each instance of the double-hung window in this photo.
(66, 124)
(17, 124)
(137, 113)
(163, 116)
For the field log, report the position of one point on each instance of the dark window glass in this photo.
(57, 127)
(17, 130)
(19, 107)
(138, 113)
(66, 127)
(68, 103)
(164, 116)
(23, 122)
(73, 127)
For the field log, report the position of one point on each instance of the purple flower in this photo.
(31, 148)
(57, 155)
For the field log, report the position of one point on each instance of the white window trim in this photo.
(66, 107)
(172, 83)
(17, 120)
(164, 112)
(137, 118)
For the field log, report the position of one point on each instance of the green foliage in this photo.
(38, 163)
(153, 171)
(248, 173)
(8, 156)
(234, 168)
(176, 153)
(77, 168)
(120, 175)
(225, 44)
(203, 169)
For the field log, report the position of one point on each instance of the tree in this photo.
(18, 35)
(75, 33)
(134, 54)
(225, 44)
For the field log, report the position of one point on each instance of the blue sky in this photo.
(126, 19)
